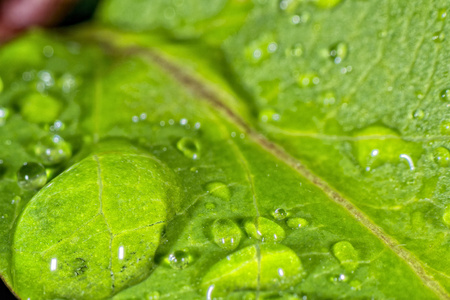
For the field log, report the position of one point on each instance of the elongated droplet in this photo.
(296, 223)
(31, 176)
(346, 254)
(442, 156)
(264, 230)
(179, 259)
(53, 150)
(226, 234)
(219, 190)
(190, 147)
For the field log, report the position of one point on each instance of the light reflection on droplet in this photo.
(121, 252)
(408, 160)
(53, 264)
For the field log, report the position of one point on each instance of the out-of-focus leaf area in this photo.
(228, 149)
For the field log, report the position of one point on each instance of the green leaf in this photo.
(232, 150)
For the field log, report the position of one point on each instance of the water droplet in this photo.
(267, 115)
(264, 230)
(446, 216)
(346, 254)
(438, 36)
(280, 214)
(445, 95)
(442, 156)
(308, 80)
(38, 108)
(328, 98)
(296, 223)
(53, 150)
(226, 234)
(152, 295)
(261, 49)
(339, 278)
(338, 52)
(418, 114)
(180, 259)
(327, 3)
(4, 114)
(445, 127)
(31, 176)
(295, 50)
(219, 190)
(442, 14)
(190, 147)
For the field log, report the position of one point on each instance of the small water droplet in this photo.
(442, 14)
(53, 150)
(338, 52)
(438, 36)
(446, 216)
(442, 156)
(308, 80)
(445, 95)
(4, 115)
(418, 114)
(346, 254)
(280, 214)
(226, 234)
(264, 230)
(295, 50)
(267, 115)
(296, 223)
(31, 176)
(328, 98)
(219, 189)
(445, 127)
(152, 295)
(179, 259)
(190, 147)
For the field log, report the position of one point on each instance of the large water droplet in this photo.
(180, 259)
(31, 176)
(280, 214)
(226, 234)
(4, 114)
(264, 230)
(378, 145)
(338, 52)
(38, 108)
(53, 150)
(445, 127)
(445, 95)
(442, 156)
(190, 147)
(446, 216)
(346, 254)
(296, 223)
(219, 190)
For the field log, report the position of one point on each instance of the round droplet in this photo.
(338, 52)
(418, 114)
(190, 147)
(219, 190)
(179, 259)
(38, 108)
(442, 14)
(295, 50)
(346, 254)
(264, 230)
(445, 127)
(296, 223)
(442, 156)
(31, 176)
(226, 234)
(445, 95)
(446, 216)
(438, 37)
(4, 114)
(53, 150)
(308, 80)
(280, 214)
(327, 3)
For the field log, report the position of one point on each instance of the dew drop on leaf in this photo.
(4, 114)
(279, 214)
(31, 176)
(445, 127)
(296, 223)
(53, 150)
(418, 114)
(338, 52)
(264, 230)
(445, 95)
(226, 234)
(346, 254)
(295, 50)
(190, 147)
(179, 259)
(438, 37)
(442, 14)
(308, 80)
(38, 108)
(152, 295)
(442, 156)
(219, 190)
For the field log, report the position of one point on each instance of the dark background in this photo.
(82, 12)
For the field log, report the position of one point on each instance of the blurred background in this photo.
(16, 16)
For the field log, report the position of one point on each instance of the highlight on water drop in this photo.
(179, 259)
